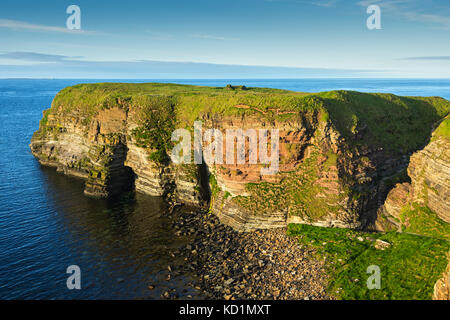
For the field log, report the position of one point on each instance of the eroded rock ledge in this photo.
(340, 152)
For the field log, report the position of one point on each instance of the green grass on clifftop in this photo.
(89, 98)
(380, 120)
(385, 120)
(409, 267)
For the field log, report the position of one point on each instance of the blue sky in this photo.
(200, 39)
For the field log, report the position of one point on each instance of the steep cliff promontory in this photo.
(340, 152)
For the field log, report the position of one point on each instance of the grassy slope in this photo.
(443, 130)
(422, 220)
(409, 267)
(391, 122)
(89, 98)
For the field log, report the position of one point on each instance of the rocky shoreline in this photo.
(264, 264)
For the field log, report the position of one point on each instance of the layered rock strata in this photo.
(338, 151)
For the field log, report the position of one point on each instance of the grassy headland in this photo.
(392, 121)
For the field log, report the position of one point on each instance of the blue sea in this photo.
(46, 224)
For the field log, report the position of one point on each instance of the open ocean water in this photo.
(46, 224)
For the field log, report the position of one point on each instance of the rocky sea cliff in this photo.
(346, 159)
(339, 151)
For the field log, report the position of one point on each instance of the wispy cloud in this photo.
(35, 57)
(211, 37)
(318, 3)
(442, 21)
(60, 66)
(430, 58)
(22, 25)
(388, 4)
(329, 3)
(159, 35)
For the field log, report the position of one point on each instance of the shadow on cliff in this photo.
(381, 131)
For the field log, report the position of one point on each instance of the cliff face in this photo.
(321, 179)
(338, 151)
(423, 205)
(429, 170)
(105, 153)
